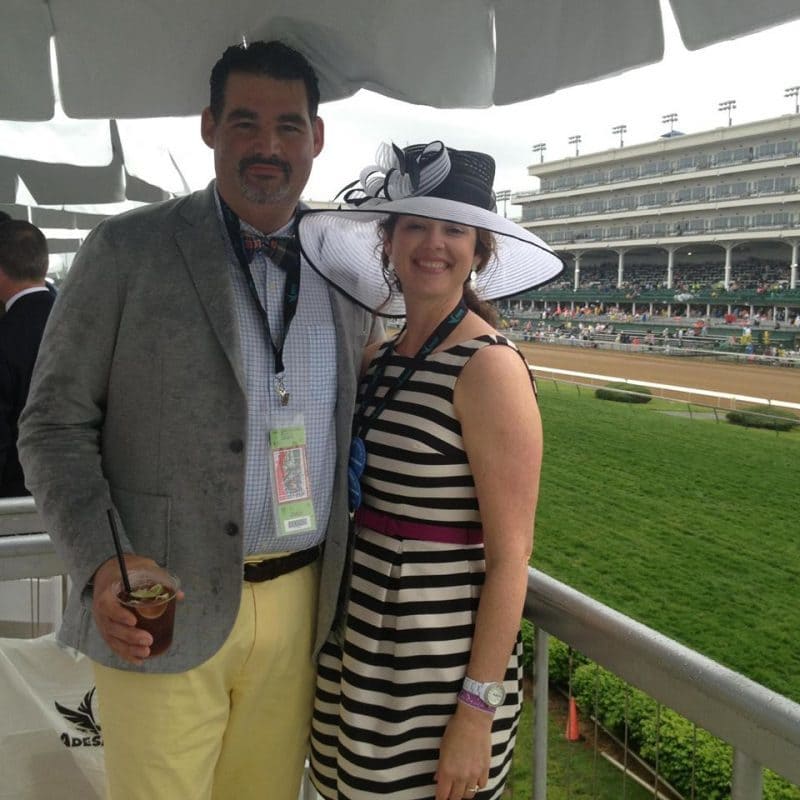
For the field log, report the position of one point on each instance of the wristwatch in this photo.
(492, 694)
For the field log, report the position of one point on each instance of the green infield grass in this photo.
(688, 526)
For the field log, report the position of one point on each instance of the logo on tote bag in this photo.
(84, 720)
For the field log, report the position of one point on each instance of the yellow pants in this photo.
(234, 728)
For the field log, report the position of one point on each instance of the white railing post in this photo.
(746, 781)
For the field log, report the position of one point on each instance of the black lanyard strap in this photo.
(291, 289)
(362, 423)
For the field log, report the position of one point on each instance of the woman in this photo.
(419, 697)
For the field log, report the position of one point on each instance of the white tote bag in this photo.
(51, 745)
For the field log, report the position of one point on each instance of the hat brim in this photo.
(344, 247)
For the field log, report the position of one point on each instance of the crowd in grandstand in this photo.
(670, 338)
(763, 277)
(758, 318)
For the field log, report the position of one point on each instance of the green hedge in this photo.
(776, 419)
(624, 393)
(686, 755)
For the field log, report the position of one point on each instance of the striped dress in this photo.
(387, 683)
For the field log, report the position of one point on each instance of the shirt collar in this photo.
(13, 299)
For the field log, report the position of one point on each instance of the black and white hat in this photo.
(431, 181)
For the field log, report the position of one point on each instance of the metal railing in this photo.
(25, 556)
(762, 726)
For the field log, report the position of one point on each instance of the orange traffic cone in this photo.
(572, 734)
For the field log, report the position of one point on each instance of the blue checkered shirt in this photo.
(309, 356)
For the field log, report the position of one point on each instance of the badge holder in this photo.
(291, 486)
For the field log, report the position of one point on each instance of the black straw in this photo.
(118, 548)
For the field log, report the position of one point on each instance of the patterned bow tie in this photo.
(282, 251)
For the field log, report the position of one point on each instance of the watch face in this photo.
(495, 694)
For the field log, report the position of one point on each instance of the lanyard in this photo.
(291, 293)
(361, 422)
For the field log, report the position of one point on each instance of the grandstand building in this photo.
(704, 224)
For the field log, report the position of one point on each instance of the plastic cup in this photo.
(156, 615)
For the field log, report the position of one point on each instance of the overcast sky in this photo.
(753, 70)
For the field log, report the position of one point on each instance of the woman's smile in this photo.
(424, 250)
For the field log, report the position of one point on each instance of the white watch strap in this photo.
(474, 687)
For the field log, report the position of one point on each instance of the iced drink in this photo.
(152, 600)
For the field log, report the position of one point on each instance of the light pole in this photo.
(505, 196)
(670, 118)
(727, 105)
(619, 129)
(576, 140)
(540, 148)
(793, 91)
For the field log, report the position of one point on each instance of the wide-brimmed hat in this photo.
(431, 181)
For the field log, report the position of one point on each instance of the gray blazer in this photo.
(138, 403)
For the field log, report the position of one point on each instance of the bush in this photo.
(526, 631)
(692, 760)
(560, 654)
(776, 419)
(624, 393)
(684, 752)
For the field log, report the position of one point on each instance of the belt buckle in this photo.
(258, 571)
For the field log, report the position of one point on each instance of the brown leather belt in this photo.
(270, 568)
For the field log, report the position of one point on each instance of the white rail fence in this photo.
(762, 726)
(666, 390)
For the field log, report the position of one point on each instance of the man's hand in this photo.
(117, 625)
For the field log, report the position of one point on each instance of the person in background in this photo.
(191, 356)
(419, 695)
(27, 301)
(4, 217)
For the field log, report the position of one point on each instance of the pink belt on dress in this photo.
(423, 531)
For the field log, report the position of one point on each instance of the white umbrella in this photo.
(66, 182)
(65, 230)
(129, 58)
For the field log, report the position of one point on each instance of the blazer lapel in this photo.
(200, 241)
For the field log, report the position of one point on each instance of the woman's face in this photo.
(431, 257)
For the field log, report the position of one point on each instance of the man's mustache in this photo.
(251, 161)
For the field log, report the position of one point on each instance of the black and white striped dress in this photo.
(386, 692)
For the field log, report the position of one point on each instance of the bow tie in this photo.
(283, 251)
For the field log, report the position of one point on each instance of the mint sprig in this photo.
(155, 592)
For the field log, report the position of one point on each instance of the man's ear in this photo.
(208, 127)
(318, 128)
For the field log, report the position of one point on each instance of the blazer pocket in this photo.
(146, 520)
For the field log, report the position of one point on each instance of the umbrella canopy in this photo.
(54, 217)
(65, 229)
(95, 172)
(132, 58)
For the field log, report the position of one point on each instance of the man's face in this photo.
(264, 143)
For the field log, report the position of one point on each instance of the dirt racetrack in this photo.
(773, 383)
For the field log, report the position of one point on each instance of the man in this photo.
(23, 266)
(196, 395)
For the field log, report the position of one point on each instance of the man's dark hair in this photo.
(274, 59)
(23, 251)
(4, 217)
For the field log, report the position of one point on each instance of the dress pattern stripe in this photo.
(387, 682)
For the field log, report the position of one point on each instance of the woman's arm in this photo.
(502, 434)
